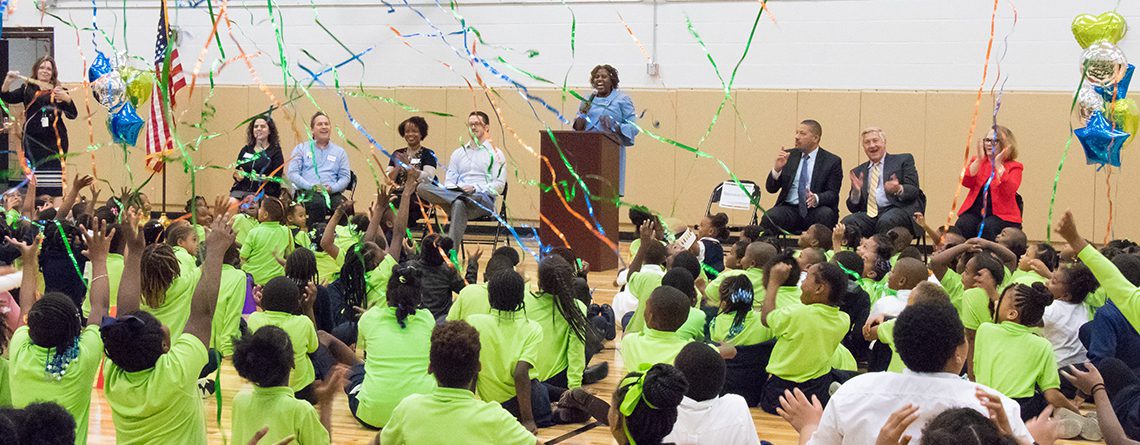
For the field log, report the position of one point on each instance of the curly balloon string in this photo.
(1061, 164)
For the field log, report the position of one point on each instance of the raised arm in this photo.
(411, 182)
(1007, 257)
(777, 275)
(130, 285)
(1116, 286)
(328, 237)
(940, 261)
(29, 256)
(376, 214)
(98, 246)
(206, 293)
(79, 183)
(647, 234)
(920, 219)
(29, 209)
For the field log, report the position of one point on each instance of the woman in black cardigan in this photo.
(46, 103)
(259, 162)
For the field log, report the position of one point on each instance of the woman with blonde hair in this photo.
(992, 204)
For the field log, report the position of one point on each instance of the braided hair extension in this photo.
(357, 262)
(556, 276)
(159, 269)
(404, 292)
(301, 267)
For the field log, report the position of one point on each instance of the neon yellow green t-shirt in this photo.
(226, 323)
(262, 246)
(1008, 357)
(174, 311)
(114, 276)
(755, 275)
(694, 327)
(450, 414)
(952, 283)
(185, 259)
(275, 407)
(160, 404)
(473, 299)
(975, 308)
(843, 360)
(560, 348)
(304, 337)
(5, 386)
(377, 281)
(72, 392)
(1114, 284)
(806, 339)
(1027, 277)
(396, 361)
(506, 338)
(750, 332)
(327, 267)
(641, 285)
(650, 347)
(242, 224)
(887, 337)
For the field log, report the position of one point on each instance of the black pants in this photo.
(775, 386)
(317, 208)
(354, 380)
(1032, 406)
(787, 217)
(971, 221)
(888, 219)
(211, 364)
(539, 404)
(745, 374)
(1123, 388)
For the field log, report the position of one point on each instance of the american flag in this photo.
(158, 142)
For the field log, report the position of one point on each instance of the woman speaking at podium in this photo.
(609, 110)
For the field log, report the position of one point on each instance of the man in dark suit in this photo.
(808, 179)
(884, 190)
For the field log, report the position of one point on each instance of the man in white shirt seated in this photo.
(931, 342)
(476, 174)
(704, 417)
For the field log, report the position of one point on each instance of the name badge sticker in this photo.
(331, 158)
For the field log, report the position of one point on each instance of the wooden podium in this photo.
(595, 157)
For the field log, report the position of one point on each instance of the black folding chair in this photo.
(717, 192)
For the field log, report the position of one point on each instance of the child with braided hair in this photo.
(736, 322)
(562, 354)
(166, 287)
(152, 372)
(1010, 358)
(61, 259)
(644, 406)
(56, 356)
(396, 338)
(183, 239)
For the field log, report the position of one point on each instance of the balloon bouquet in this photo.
(120, 91)
(1111, 119)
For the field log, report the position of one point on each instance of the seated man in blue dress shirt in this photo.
(319, 170)
(476, 174)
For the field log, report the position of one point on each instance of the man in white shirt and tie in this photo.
(808, 179)
(884, 190)
(476, 174)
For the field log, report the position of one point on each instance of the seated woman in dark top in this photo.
(259, 162)
(414, 130)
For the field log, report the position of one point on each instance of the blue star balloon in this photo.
(125, 125)
(1121, 87)
(99, 68)
(1101, 142)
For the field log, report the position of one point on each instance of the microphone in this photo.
(589, 102)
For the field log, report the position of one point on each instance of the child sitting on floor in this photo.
(265, 358)
(756, 256)
(644, 406)
(451, 411)
(682, 280)
(1036, 266)
(1063, 319)
(267, 242)
(808, 335)
(666, 311)
(510, 343)
(1011, 359)
(704, 416)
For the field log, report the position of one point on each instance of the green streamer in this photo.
(1061, 165)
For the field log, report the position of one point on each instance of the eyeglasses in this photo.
(990, 141)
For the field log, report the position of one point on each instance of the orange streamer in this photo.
(974, 118)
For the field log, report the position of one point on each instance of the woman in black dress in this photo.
(259, 162)
(414, 130)
(46, 103)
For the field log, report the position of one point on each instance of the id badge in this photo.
(44, 122)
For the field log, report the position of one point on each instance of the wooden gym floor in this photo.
(347, 431)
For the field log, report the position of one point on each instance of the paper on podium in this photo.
(732, 197)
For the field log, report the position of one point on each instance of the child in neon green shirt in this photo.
(265, 359)
(56, 356)
(396, 338)
(167, 286)
(151, 387)
(981, 277)
(451, 411)
(1010, 358)
(246, 220)
(298, 221)
(184, 240)
(231, 300)
(280, 300)
(267, 242)
(562, 356)
(737, 323)
(642, 280)
(666, 310)
(1036, 266)
(807, 335)
(694, 327)
(473, 298)
(510, 343)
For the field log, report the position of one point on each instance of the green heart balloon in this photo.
(1088, 28)
(139, 84)
(1126, 117)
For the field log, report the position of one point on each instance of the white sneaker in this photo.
(833, 388)
(1090, 428)
(205, 387)
(1069, 424)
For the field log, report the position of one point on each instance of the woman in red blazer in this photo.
(1000, 205)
